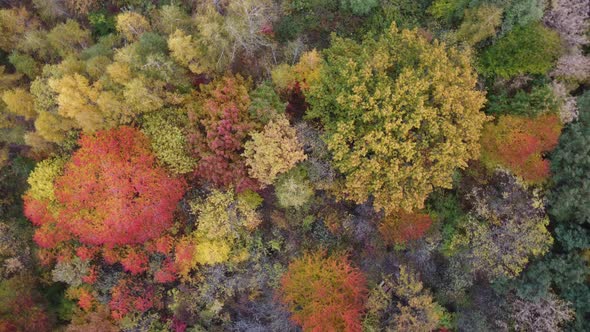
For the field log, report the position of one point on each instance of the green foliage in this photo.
(448, 10)
(539, 100)
(522, 13)
(359, 7)
(168, 141)
(25, 64)
(101, 23)
(530, 49)
(68, 38)
(265, 103)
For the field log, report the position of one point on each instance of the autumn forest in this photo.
(294, 165)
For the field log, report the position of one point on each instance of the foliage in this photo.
(293, 189)
(518, 143)
(20, 102)
(522, 13)
(132, 25)
(479, 23)
(13, 24)
(367, 91)
(539, 100)
(21, 307)
(501, 237)
(569, 205)
(530, 49)
(25, 64)
(403, 227)
(224, 220)
(272, 151)
(88, 206)
(324, 293)
(219, 129)
(131, 296)
(359, 7)
(401, 304)
(68, 38)
(168, 142)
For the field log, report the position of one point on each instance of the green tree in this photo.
(530, 49)
(400, 115)
(479, 23)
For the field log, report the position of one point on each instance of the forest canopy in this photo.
(294, 165)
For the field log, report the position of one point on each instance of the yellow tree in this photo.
(401, 114)
(273, 151)
(132, 25)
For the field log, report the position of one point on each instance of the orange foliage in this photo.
(324, 293)
(518, 143)
(404, 227)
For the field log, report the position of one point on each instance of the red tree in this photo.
(324, 294)
(404, 227)
(131, 296)
(112, 191)
(518, 143)
(220, 129)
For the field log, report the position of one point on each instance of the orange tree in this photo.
(324, 293)
(518, 143)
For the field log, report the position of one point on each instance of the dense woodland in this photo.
(294, 165)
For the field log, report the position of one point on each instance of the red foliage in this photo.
(112, 192)
(225, 122)
(404, 227)
(518, 143)
(49, 235)
(131, 296)
(167, 273)
(135, 261)
(297, 104)
(324, 294)
(37, 211)
(85, 299)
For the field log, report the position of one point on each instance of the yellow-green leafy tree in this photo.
(273, 151)
(224, 220)
(20, 102)
(132, 25)
(479, 23)
(401, 114)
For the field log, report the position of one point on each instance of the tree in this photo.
(14, 23)
(168, 141)
(132, 25)
(224, 221)
(548, 314)
(324, 293)
(522, 12)
(569, 199)
(21, 306)
(20, 102)
(479, 23)
(68, 38)
(518, 143)
(111, 191)
(359, 7)
(507, 225)
(403, 227)
(570, 19)
(401, 304)
(293, 189)
(220, 126)
(530, 49)
(272, 151)
(400, 115)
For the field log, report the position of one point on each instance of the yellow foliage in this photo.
(185, 51)
(20, 102)
(42, 177)
(306, 72)
(53, 127)
(119, 72)
(401, 114)
(132, 25)
(273, 151)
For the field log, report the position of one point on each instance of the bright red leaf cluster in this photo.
(324, 293)
(112, 192)
(131, 296)
(518, 143)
